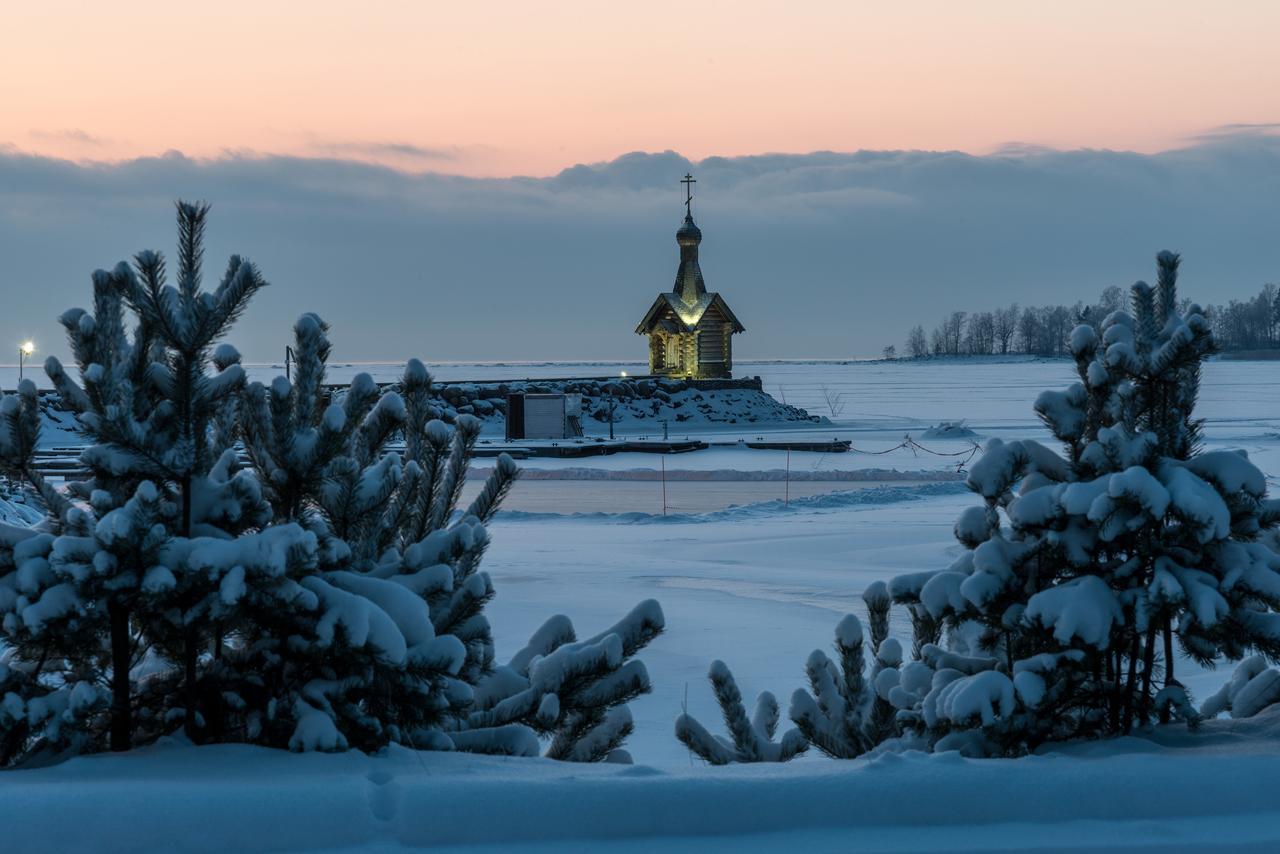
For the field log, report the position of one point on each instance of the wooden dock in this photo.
(664, 446)
(834, 446)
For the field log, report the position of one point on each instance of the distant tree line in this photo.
(1252, 324)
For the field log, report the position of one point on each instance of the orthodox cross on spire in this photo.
(690, 329)
(688, 180)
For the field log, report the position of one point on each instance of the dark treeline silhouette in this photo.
(1252, 324)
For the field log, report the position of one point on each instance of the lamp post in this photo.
(25, 349)
(613, 403)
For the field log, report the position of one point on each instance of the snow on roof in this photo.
(689, 315)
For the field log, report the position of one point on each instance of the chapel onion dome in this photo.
(689, 234)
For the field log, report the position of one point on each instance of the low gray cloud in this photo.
(72, 135)
(385, 150)
(1237, 130)
(821, 255)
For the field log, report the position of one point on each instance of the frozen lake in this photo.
(884, 401)
(993, 393)
(762, 586)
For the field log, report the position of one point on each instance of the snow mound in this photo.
(838, 500)
(949, 430)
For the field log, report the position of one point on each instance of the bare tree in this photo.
(953, 330)
(1006, 326)
(918, 345)
(980, 339)
(1112, 299)
(1029, 330)
(835, 402)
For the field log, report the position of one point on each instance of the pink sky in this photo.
(529, 88)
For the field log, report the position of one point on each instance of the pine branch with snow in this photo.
(750, 739)
(881, 719)
(574, 692)
(1252, 687)
(831, 714)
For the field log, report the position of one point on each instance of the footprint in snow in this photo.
(384, 797)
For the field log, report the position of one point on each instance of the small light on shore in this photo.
(25, 349)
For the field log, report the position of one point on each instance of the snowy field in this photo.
(759, 586)
(1169, 792)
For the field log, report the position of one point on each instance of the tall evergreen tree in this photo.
(1083, 569)
(327, 594)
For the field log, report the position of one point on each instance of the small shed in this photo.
(543, 416)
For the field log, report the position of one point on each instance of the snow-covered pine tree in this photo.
(388, 521)
(327, 596)
(1082, 569)
(750, 739)
(19, 437)
(110, 590)
(326, 467)
(51, 695)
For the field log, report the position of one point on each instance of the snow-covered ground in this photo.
(759, 586)
(1166, 792)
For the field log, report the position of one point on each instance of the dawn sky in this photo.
(529, 88)
(880, 163)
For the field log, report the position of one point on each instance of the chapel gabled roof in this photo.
(686, 316)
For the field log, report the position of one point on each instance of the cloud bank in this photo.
(820, 255)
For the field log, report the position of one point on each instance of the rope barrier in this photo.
(907, 443)
(912, 445)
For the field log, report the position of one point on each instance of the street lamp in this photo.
(612, 389)
(25, 349)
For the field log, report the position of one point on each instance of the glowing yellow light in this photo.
(28, 348)
(624, 375)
